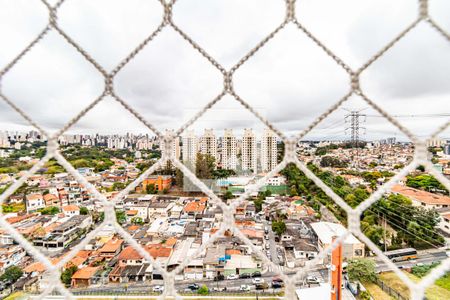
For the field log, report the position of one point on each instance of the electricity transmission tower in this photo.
(354, 117)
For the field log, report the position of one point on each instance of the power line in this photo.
(404, 206)
(384, 210)
(418, 237)
(406, 230)
(338, 122)
(390, 221)
(414, 116)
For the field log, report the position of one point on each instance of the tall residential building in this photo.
(249, 155)
(208, 143)
(4, 141)
(190, 147)
(229, 151)
(447, 149)
(268, 151)
(176, 152)
(436, 142)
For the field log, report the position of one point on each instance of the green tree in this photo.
(179, 178)
(223, 173)
(51, 210)
(421, 168)
(84, 210)
(54, 170)
(204, 166)
(121, 217)
(293, 192)
(137, 221)
(279, 227)
(330, 161)
(364, 295)
(362, 269)
(66, 275)
(12, 274)
(150, 189)
(425, 182)
(228, 195)
(117, 186)
(258, 204)
(203, 290)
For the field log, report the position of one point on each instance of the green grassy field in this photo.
(376, 292)
(438, 291)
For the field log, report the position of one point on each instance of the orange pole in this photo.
(336, 272)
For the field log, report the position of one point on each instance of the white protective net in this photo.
(420, 158)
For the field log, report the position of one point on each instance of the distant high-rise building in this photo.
(447, 149)
(436, 142)
(208, 143)
(176, 152)
(190, 147)
(229, 151)
(4, 141)
(268, 151)
(249, 155)
(391, 140)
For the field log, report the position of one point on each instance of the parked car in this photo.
(266, 237)
(277, 285)
(267, 246)
(256, 274)
(245, 288)
(244, 275)
(262, 286)
(233, 276)
(219, 289)
(312, 279)
(257, 280)
(193, 287)
(219, 277)
(158, 288)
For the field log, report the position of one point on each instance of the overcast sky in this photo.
(290, 80)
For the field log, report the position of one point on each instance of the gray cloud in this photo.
(290, 80)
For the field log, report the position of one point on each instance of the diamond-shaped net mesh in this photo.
(420, 158)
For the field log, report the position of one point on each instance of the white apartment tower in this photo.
(249, 155)
(208, 143)
(268, 151)
(190, 147)
(176, 152)
(229, 152)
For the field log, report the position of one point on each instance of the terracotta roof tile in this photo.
(85, 273)
(422, 196)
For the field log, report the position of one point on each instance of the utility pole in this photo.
(353, 117)
(384, 232)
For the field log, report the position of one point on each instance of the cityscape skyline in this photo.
(311, 161)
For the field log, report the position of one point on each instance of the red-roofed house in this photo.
(84, 277)
(71, 210)
(52, 200)
(111, 248)
(195, 207)
(444, 223)
(422, 198)
(35, 201)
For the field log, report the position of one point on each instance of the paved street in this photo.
(273, 246)
(234, 285)
(425, 258)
